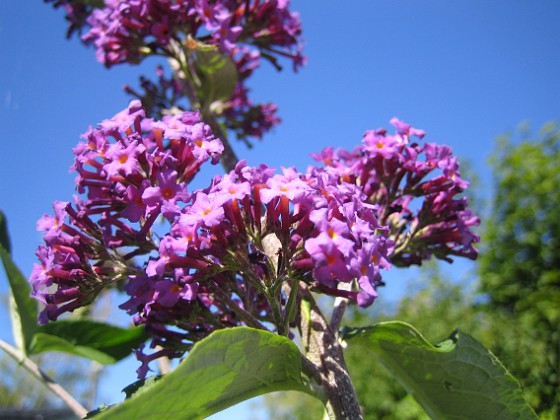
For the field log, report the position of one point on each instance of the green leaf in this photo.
(227, 367)
(4, 236)
(217, 74)
(23, 308)
(458, 378)
(138, 387)
(94, 413)
(97, 341)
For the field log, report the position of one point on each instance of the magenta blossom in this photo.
(230, 253)
(417, 190)
(128, 175)
(127, 31)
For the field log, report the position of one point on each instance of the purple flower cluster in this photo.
(125, 31)
(230, 248)
(213, 269)
(247, 119)
(325, 233)
(417, 190)
(131, 170)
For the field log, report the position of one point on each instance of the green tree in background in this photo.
(520, 264)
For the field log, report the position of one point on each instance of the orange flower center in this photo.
(167, 193)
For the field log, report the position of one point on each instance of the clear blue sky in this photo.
(464, 71)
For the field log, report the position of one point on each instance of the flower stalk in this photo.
(324, 351)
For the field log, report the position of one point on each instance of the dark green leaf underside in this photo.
(97, 341)
(456, 379)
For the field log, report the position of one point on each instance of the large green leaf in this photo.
(456, 379)
(97, 341)
(23, 308)
(228, 367)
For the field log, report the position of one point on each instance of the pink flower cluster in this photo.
(131, 170)
(229, 248)
(212, 266)
(417, 190)
(127, 31)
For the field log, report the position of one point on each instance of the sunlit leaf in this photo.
(228, 367)
(4, 235)
(23, 308)
(97, 341)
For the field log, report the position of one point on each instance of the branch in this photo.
(41, 376)
(339, 307)
(325, 352)
(163, 363)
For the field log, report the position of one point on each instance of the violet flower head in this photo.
(129, 173)
(225, 248)
(416, 190)
(128, 31)
(214, 269)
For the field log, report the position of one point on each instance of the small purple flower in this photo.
(204, 146)
(135, 208)
(168, 293)
(156, 268)
(172, 127)
(329, 262)
(123, 120)
(289, 186)
(211, 15)
(205, 211)
(162, 31)
(165, 194)
(406, 129)
(124, 160)
(385, 146)
(227, 34)
(53, 225)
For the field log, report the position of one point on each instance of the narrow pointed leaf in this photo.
(97, 341)
(224, 369)
(4, 235)
(23, 308)
(455, 379)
